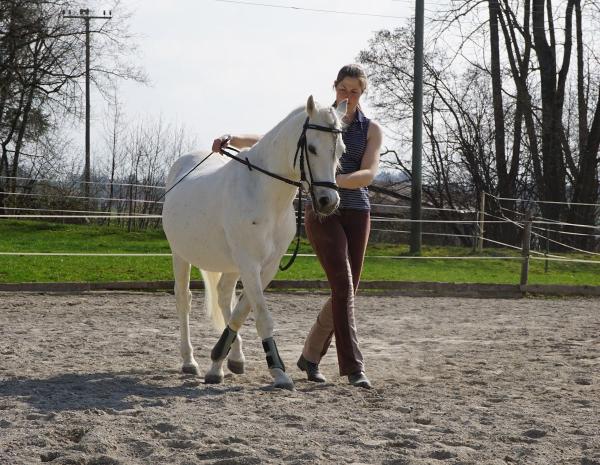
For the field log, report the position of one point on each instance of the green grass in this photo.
(29, 236)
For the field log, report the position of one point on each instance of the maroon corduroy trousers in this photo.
(340, 241)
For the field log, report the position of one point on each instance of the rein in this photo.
(183, 177)
(245, 161)
(302, 149)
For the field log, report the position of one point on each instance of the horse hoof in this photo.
(213, 379)
(287, 385)
(190, 370)
(235, 367)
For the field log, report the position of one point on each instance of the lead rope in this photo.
(298, 230)
(250, 166)
(301, 147)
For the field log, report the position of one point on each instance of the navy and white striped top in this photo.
(355, 139)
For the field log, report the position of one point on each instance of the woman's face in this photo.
(349, 89)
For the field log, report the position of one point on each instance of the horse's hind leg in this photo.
(183, 302)
(226, 293)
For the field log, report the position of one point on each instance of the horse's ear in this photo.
(310, 106)
(341, 109)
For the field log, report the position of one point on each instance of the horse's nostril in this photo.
(323, 201)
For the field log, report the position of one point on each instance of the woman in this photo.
(340, 240)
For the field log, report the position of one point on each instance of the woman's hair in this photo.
(352, 71)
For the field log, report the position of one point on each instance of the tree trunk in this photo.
(19, 142)
(553, 168)
(585, 188)
(504, 181)
(499, 138)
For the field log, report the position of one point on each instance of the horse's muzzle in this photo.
(325, 201)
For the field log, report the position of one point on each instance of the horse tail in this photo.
(211, 298)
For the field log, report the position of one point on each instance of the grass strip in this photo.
(34, 236)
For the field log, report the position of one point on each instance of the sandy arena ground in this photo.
(94, 379)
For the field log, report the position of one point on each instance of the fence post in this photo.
(525, 252)
(547, 250)
(481, 222)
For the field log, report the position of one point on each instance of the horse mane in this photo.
(275, 130)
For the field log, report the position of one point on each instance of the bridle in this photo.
(302, 150)
(302, 155)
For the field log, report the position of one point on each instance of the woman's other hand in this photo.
(221, 142)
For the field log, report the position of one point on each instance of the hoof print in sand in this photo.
(534, 433)
(49, 456)
(442, 455)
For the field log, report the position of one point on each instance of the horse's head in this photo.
(324, 147)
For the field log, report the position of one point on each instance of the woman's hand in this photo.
(221, 142)
(238, 141)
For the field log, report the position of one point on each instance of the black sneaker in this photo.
(312, 370)
(359, 379)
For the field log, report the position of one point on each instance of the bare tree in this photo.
(137, 160)
(114, 128)
(585, 171)
(42, 63)
(510, 69)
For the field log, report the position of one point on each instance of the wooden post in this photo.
(480, 224)
(547, 250)
(525, 251)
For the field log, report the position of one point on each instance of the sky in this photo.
(225, 67)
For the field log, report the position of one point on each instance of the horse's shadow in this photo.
(110, 391)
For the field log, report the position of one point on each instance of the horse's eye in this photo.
(312, 149)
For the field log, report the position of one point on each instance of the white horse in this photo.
(231, 221)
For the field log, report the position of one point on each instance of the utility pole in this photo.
(87, 16)
(417, 145)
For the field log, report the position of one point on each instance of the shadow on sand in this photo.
(105, 391)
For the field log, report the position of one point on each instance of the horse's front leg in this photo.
(254, 283)
(264, 327)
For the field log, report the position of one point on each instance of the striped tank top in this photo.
(355, 139)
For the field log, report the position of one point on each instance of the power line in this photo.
(314, 10)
